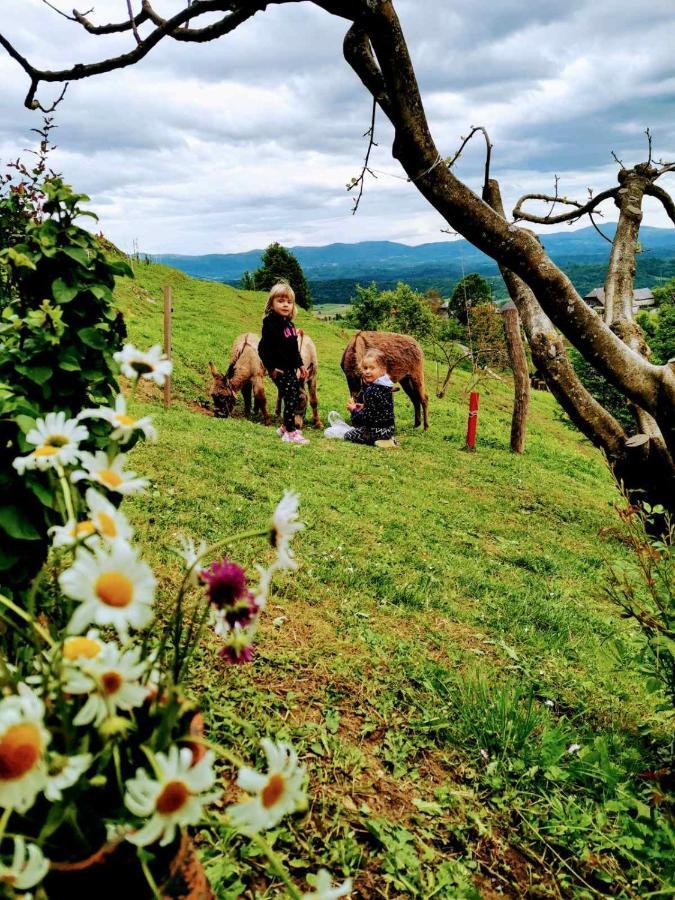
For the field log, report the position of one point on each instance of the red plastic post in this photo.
(473, 421)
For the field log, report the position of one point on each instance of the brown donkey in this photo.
(245, 374)
(405, 365)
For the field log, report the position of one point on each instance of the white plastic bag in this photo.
(337, 428)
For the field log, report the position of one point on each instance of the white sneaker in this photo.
(294, 437)
(281, 430)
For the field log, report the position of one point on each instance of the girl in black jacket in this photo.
(279, 352)
(373, 410)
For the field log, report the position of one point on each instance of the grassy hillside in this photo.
(443, 644)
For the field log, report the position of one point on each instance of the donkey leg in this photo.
(261, 399)
(410, 389)
(246, 394)
(314, 402)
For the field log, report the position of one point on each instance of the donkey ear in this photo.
(213, 370)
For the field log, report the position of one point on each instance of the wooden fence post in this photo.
(167, 342)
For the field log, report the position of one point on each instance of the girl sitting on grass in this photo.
(278, 349)
(373, 409)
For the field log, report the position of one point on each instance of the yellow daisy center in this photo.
(83, 528)
(76, 647)
(20, 749)
(111, 682)
(125, 420)
(273, 790)
(114, 589)
(172, 798)
(110, 478)
(57, 440)
(106, 525)
(46, 450)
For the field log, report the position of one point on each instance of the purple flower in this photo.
(236, 655)
(225, 583)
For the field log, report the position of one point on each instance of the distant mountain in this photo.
(425, 265)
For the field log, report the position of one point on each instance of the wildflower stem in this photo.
(44, 634)
(67, 496)
(3, 822)
(277, 865)
(148, 876)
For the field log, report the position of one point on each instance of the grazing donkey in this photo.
(311, 363)
(405, 364)
(245, 374)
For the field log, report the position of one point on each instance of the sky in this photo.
(230, 145)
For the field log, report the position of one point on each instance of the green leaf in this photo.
(16, 524)
(63, 292)
(121, 268)
(18, 259)
(69, 361)
(7, 559)
(101, 292)
(77, 254)
(38, 374)
(93, 337)
(25, 423)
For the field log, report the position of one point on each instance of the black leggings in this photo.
(289, 388)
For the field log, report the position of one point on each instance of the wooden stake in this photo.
(167, 341)
(472, 424)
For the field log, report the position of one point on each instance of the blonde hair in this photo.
(281, 288)
(377, 356)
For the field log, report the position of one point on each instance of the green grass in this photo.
(442, 644)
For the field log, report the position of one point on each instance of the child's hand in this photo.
(353, 406)
(303, 373)
(274, 373)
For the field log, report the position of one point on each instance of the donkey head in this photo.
(223, 396)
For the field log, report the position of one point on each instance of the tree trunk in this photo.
(521, 376)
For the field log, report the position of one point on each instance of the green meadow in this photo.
(445, 660)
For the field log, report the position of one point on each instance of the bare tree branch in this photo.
(649, 145)
(112, 27)
(474, 129)
(602, 235)
(59, 11)
(618, 160)
(666, 200)
(580, 209)
(370, 134)
(133, 23)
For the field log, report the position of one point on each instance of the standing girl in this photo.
(278, 349)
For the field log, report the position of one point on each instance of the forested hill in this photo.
(332, 270)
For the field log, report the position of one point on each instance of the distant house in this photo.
(642, 298)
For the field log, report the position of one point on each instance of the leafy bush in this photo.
(58, 331)
(370, 309)
(602, 390)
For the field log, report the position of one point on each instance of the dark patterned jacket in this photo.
(278, 347)
(378, 406)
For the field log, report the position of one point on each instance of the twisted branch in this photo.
(370, 134)
(488, 144)
(580, 209)
(666, 200)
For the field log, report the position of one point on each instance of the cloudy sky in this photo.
(227, 146)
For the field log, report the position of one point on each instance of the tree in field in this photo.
(486, 332)
(247, 282)
(546, 300)
(469, 291)
(279, 264)
(411, 313)
(369, 308)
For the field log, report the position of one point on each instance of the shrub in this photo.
(58, 331)
(279, 264)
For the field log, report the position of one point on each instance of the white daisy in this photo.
(261, 593)
(29, 866)
(23, 743)
(152, 365)
(79, 647)
(278, 792)
(114, 587)
(72, 531)
(65, 771)
(190, 553)
(175, 799)
(284, 527)
(109, 522)
(123, 424)
(105, 522)
(56, 441)
(98, 468)
(324, 889)
(111, 681)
